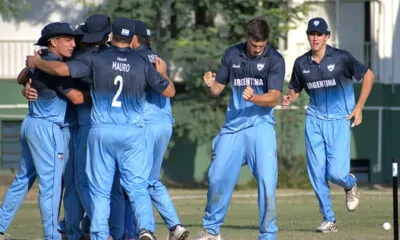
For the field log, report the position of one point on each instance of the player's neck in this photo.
(120, 45)
(318, 55)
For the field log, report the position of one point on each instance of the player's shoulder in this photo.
(273, 53)
(49, 56)
(339, 54)
(147, 54)
(235, 49)
(303, 58)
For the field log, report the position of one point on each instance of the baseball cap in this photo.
(141, 28)
(123, 27)
(56, 29)
(317, 25)
(96, 28)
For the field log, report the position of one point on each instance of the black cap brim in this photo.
(43, 41)
(95, 37)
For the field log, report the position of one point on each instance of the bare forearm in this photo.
(23, 76)
(53, 67)
(170, 90)
(269, 99)
(216, 89)
(368, 81)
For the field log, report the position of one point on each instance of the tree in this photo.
(192, 36)
(12, 8)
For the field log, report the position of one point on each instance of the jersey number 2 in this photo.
(120, 80)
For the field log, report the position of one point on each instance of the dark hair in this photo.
(257, 29)
(120, 39)
(104, 41)
(143, 40)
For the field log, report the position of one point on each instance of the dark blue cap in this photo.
(317, 25)
(123, 27)
(95, 29)
(141, 29)
(55, 29)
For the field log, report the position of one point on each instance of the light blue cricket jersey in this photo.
(329, 84)
(264, 72)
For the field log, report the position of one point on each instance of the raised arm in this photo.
(214, 88)
(51, 67)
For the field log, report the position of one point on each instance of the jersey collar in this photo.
(143, 47)
(127, 49)
(50, 55)
(328, 53)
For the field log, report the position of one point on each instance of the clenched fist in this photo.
(286, 100)
(248, 93)
(209, 78)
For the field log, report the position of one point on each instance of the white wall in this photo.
(18, 36)
(385, 31)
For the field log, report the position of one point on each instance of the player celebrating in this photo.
(326, 75)
(42, 124)
(119, 79)
(255, 73)
(158, 121)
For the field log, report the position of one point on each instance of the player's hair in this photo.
(120, 39)
(143, 40)
(104, 41)
(257, 29)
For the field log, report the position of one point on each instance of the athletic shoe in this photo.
(352, 197)
(180, 233)
(205, 235)
(146, 235)
(326, 227)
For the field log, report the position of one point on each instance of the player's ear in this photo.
(132, 43)
(328, 35)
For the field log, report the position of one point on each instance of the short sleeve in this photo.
(295, 83)
(354, 67)
(222, 75)
(276, 74)
(154, 79)
(80, 66)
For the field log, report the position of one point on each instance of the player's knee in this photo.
(337, 177)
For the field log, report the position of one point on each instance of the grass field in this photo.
(297, 216)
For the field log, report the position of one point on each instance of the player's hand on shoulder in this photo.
(248, 93)
(209, 78)
(161, 66)
(31, 60)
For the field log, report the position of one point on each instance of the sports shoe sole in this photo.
(145, 238)
(329, 231)
(184, 235)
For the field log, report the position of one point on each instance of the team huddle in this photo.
(100, 121)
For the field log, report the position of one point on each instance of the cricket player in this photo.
(158, 122)
(120, 78)
(326, 73)
(95, 32)
(255, 73)
(41, 137)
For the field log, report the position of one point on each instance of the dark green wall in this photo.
(188, 162)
